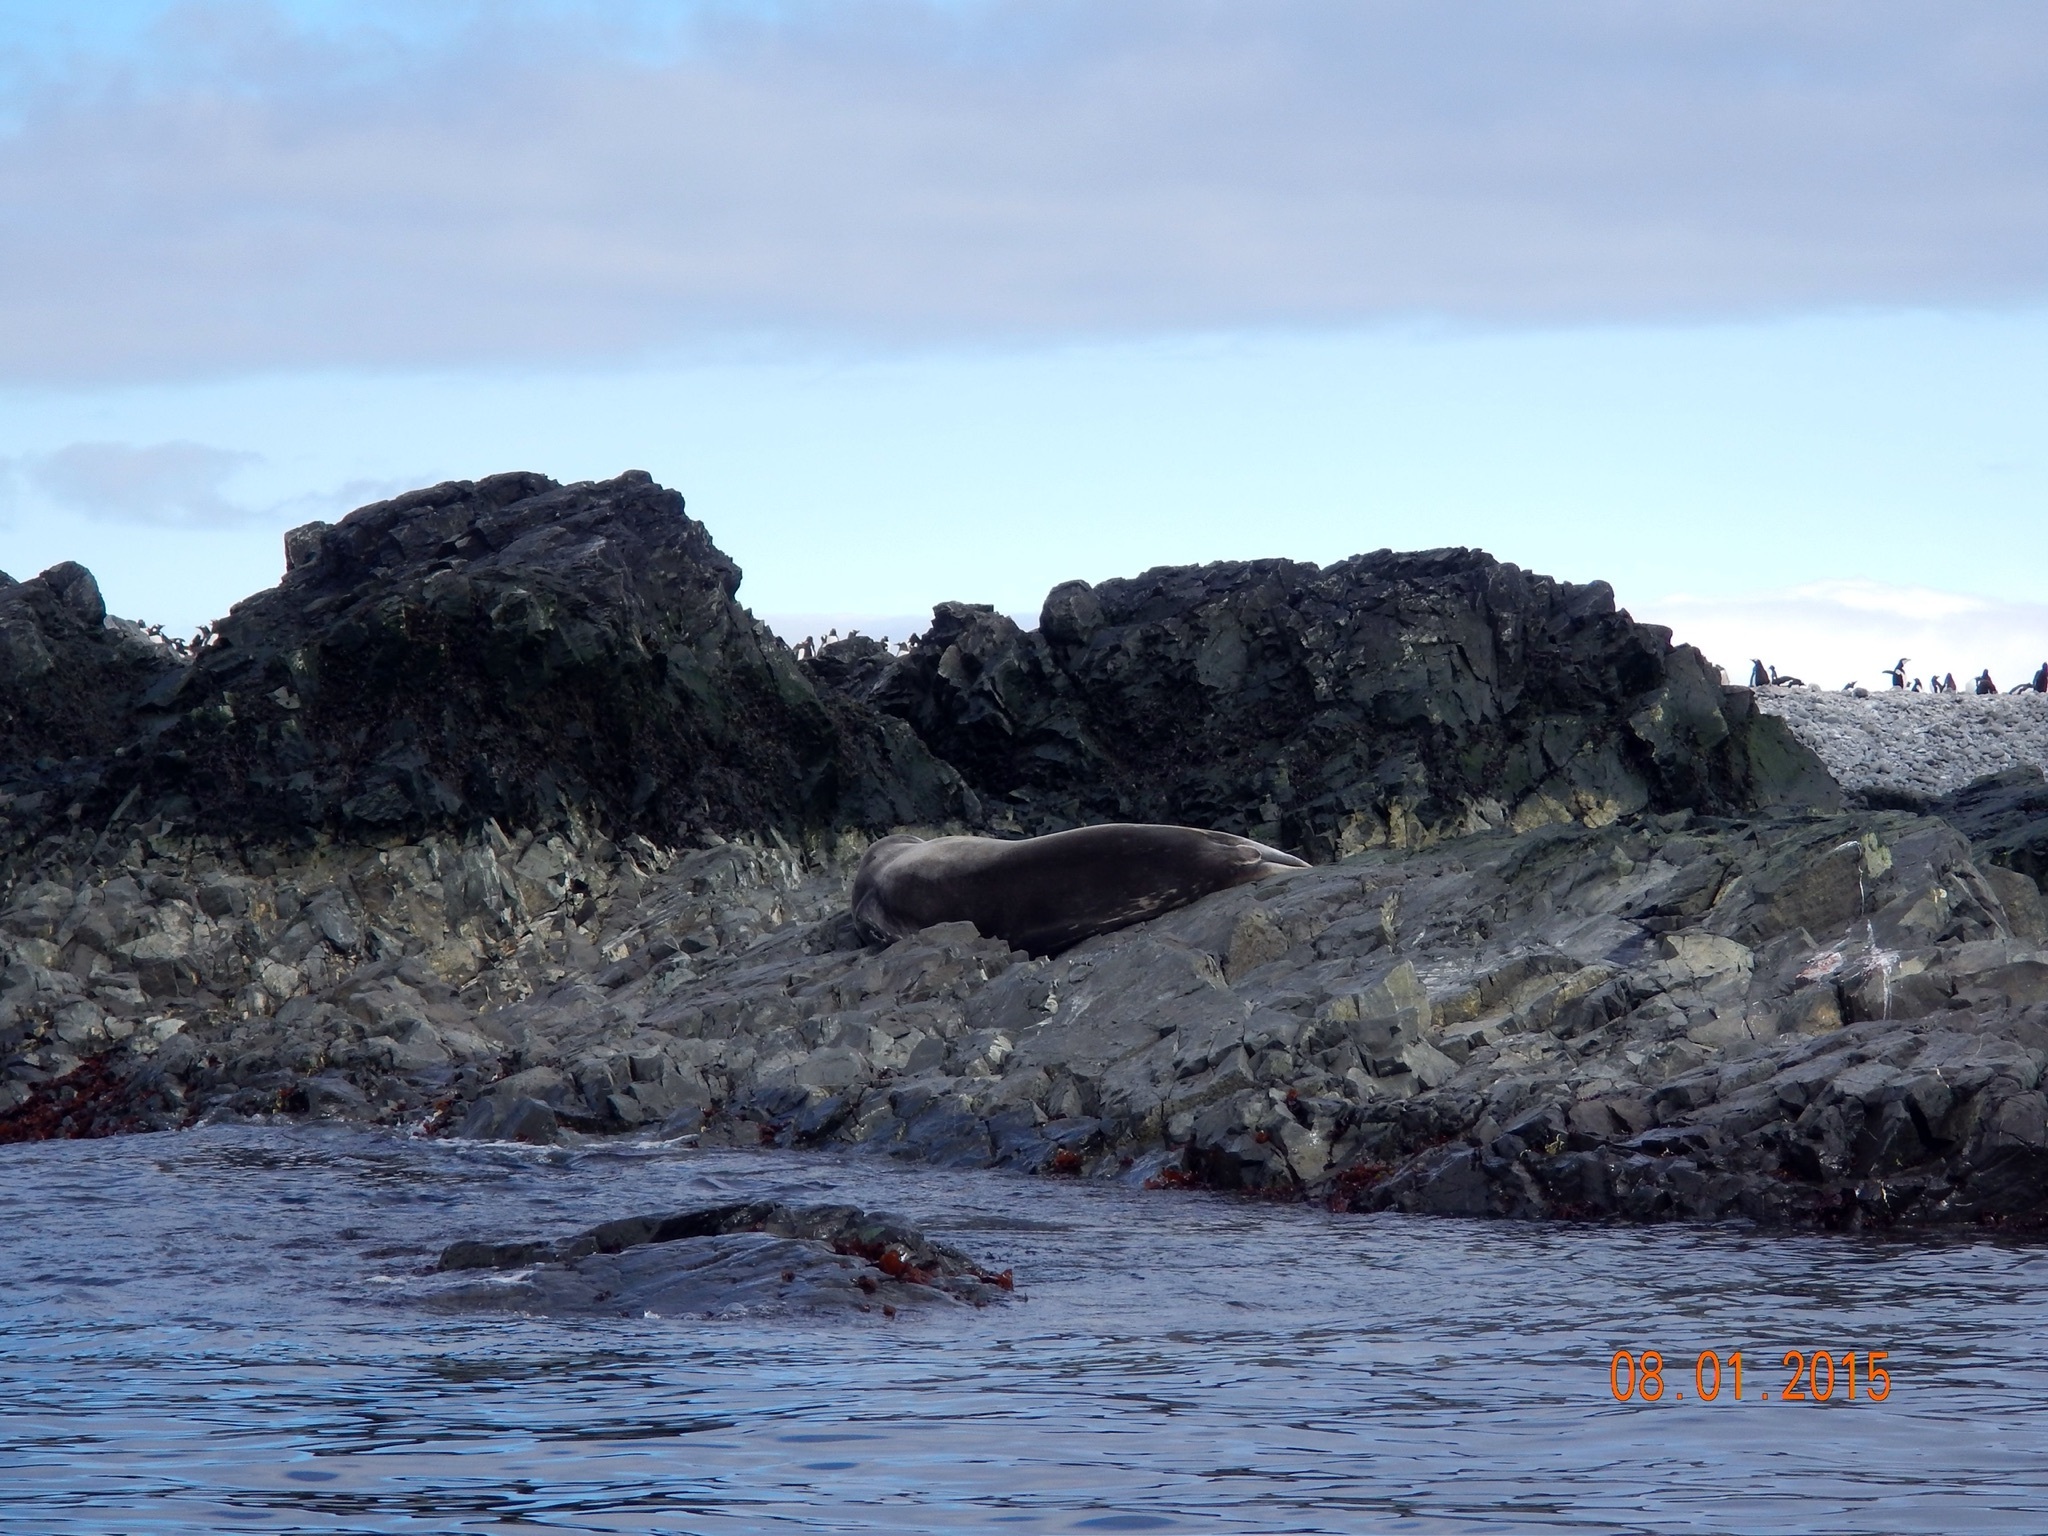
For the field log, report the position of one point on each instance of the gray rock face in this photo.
(500, 818)
(1810, 1020)
(1382, 701)
(2005, 814)
(723, 1261)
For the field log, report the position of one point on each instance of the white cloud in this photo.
(171, 485)
(539, 185)
(1836, 632)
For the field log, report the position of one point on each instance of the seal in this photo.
(1046, 894)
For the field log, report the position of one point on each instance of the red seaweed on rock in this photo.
(93, 1099)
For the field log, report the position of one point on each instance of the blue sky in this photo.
(1739, 307)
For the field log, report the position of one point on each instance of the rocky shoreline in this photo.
(501, 818)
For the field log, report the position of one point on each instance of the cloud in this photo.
(541, 184)
(178, 484)
(173, 485)
(1836, 632)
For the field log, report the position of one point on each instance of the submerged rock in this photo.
(721, 1261)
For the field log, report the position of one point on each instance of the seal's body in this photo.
(1044, 894)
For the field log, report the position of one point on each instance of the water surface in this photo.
(214, 1331)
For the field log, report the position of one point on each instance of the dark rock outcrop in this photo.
(541, 655)
(1386, 700)
(526, 651)
(70, 677)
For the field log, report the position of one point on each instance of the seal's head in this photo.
(868, 918)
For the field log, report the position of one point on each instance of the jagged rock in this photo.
(517, 649)
(1801, 1019)
(69, 675)
(1385, 700)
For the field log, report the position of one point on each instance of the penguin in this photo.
(1898, 674)
(1916, 685)
(2041, 679)
(1949, 683)
(1984, 683)
(1758, 677)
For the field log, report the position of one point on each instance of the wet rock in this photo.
(722, 1261)
(513, 1118)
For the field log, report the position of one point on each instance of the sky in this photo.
(1741, 307)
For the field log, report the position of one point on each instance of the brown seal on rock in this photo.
(1044, 894)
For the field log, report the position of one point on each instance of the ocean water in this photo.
(218, 1331)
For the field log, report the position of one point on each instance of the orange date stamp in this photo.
(1817, 1376)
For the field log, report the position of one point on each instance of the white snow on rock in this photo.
(1918, 743)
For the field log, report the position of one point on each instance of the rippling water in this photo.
(210, 1331)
